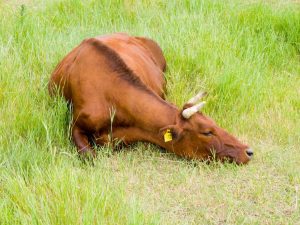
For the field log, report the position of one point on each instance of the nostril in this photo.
(249, 152)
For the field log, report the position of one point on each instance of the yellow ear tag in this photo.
(168, 136)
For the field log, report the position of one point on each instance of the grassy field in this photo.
(244, 53)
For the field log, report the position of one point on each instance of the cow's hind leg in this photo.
(87, 122)
(80, 138)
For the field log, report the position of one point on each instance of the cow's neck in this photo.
(150, 114)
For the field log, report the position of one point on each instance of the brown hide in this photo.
(121, 77)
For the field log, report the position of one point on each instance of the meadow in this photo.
(245, 53)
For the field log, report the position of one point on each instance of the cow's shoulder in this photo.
(155, 51)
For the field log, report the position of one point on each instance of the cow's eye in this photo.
(208, 133)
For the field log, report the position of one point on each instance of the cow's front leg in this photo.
(130, 134)
(81, 141)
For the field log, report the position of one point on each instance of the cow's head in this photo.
(197, 136)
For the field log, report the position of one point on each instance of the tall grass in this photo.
(244, 53)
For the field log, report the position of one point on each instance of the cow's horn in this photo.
(187, 113)
(196, 98)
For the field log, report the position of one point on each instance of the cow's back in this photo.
(142, 55)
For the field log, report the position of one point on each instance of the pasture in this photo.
(245, 53)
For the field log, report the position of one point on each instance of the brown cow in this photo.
(116, 86)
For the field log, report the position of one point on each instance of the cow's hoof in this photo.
(88, 156)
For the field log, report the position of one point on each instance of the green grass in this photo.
(244, 53)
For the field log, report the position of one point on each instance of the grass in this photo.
(244, 53)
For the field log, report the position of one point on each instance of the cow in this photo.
(116, 86)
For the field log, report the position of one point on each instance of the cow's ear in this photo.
(171, 133)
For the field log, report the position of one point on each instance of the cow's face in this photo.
(197, 136)
(200, 137)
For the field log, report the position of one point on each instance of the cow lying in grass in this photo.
(115, 84)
